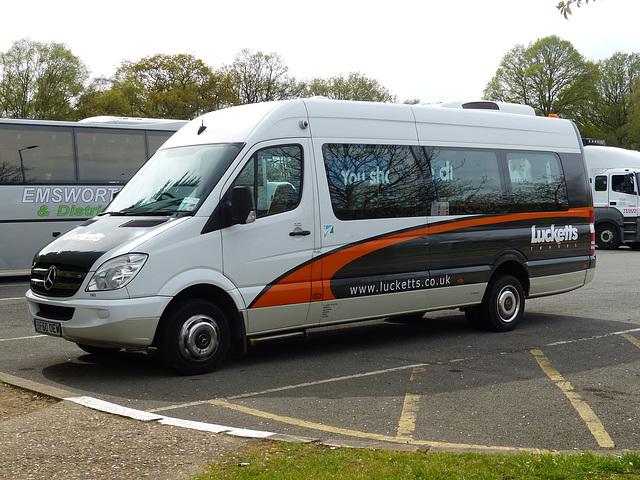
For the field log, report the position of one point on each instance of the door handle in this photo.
(299, 233)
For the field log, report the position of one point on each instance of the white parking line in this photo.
(11, 299)
(22, 338)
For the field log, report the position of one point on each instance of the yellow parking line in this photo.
(369, 436)
(632, 339)
(588, 415)
(407, 423)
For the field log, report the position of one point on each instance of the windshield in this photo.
(174, 181)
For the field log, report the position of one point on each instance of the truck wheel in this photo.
(503, 303)
(607, 236)
(194, 337)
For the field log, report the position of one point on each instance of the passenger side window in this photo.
(601, 183)
(466, 181)
(537, 182)
(274, 175)
(375, 181)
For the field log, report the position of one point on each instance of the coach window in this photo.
(109, 155)
(375, 181)
(36, 155)
(274, 175)
(537, 182)
(467, 181)
(155, 141)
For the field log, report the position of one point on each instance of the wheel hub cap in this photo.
(199, 338)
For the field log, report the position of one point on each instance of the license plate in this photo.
(48, 328)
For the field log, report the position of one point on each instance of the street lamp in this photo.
(24, 176)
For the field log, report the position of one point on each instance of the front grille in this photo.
(66, 279)
(54, 312)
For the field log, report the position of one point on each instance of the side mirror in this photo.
(243, 208)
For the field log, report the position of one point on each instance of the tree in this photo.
(550, 75)
(565, 6)
(612, 105)
(40, 80)
(171, 86)
(355, 86)
(100, 98)
(258, 77)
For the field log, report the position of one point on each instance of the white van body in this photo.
(382, 210)
(614, 176)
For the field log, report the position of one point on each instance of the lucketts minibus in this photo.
(269, 219)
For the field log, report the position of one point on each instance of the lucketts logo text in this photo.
(553, 234)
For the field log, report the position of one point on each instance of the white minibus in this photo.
(269, 219)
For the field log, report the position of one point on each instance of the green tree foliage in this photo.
(100, 98)
(550, 75)
(171, 86)
(40, 80)
(259, 77)
(355, 86)
(565, 6)
(612, 105)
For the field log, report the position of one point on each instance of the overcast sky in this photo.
(433, 50)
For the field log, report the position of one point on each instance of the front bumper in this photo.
(124, 323)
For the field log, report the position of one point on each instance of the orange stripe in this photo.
(312, 281)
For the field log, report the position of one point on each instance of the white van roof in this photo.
(386, 122)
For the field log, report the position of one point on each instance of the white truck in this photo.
(614, 176)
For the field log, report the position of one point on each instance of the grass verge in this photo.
(287, 461)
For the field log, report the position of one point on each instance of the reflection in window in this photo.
(467, 180)
(375, 181)
(537, 182)
(274, 175)
(36, 155)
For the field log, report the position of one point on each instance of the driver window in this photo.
(274, 175)
(622, 183)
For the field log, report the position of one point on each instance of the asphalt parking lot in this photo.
(567, 379)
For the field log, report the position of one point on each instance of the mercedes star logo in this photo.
(50, 278)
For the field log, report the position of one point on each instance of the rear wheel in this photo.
(503, 303)
(194, 337)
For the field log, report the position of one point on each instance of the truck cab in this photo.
(614, 176)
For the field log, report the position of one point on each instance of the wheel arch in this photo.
(512, 263)
(223, 301)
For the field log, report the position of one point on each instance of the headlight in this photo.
(117, 272)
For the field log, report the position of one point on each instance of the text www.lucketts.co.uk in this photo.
(391, 286)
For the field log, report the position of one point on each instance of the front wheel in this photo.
(607, 236)
(194, 337)
(503, 303)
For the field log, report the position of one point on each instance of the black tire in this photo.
(98, 351)
(194, 337)
(607, 236)
(503, 303)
